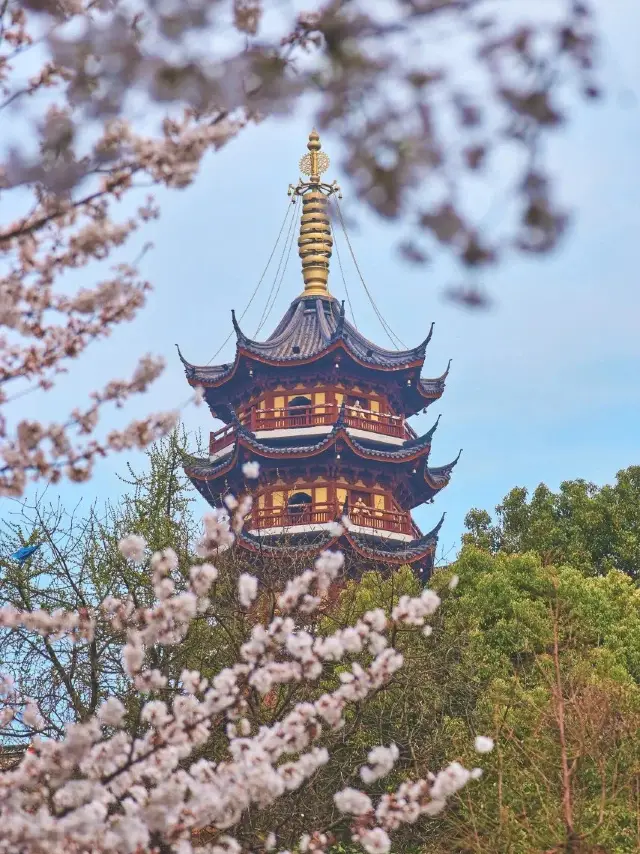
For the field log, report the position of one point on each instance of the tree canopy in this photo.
(537, 645)
(592, 528)
(558, 653)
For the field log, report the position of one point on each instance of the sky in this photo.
(544, 386)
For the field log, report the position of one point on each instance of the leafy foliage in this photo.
(544, 659)
(80, 565)
(592, 528)
(560, 653)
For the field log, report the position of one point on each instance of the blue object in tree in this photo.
(25, 552)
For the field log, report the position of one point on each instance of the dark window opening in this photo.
(298, 404)
(295, 349)
(299, 504)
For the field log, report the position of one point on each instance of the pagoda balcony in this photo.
(269, 421)
(267, 520)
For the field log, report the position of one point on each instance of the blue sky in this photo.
(543, 387)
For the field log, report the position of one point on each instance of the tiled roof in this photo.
(439, 476)
(307, 543)
(423, 483)
(376, 548)
(205, 373)
(433, 387)
(196, 467)
(311, 325)
(410, 449)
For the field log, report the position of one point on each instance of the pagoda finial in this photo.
(315, 241)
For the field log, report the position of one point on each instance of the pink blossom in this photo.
(375, 841)
(133, 547)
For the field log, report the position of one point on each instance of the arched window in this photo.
(299, 410)
(299, 506)
(299, 402)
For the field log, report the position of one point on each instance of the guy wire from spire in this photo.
(288, 243)
(255, 290)
(389, 331)
(344, 281)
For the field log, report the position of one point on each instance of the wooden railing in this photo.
(221, 438)
(313, 416)
(318, 514)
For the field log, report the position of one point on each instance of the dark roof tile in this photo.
(309, 327)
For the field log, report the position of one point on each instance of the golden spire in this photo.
(315, 241)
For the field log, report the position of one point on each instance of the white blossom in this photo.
(353, 801)
(164, 562)
(161, 791)
(251, 470)
(31, 715)
(247, 589)
(111, 712)
(449, 781)
(381, 761)
(483, 744)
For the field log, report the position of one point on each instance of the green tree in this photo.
(77, 567)
(559, 657)
(592, 528)
(544, 659)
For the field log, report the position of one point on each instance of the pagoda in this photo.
(324, 411)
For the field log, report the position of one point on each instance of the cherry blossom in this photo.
(375, 841)
(251, 470)
(483, 744)
(103, 788)
(381, 761)
(132, 547)
(247, 589)
(353, 801)
(425, 123)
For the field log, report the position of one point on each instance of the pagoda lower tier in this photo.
(362, 551)
(307, 483)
